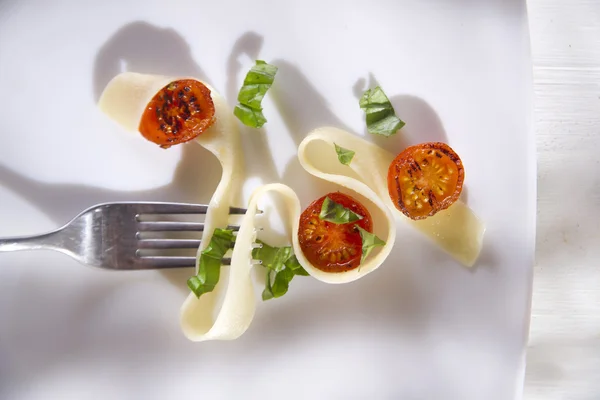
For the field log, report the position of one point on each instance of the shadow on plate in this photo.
(422, 122)
(145, 48)
(61, 202)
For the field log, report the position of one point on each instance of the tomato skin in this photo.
(425, 179)
(178, 113)
(333, 247)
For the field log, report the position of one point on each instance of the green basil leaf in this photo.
(281, 283)
(293, 264)
(252, 95)
(369, 242)
(267, 293)
(337, 213)
(256, 84)
(380, 115)
(344, 155)
(281, 264)
(273, 258)
(261, 73)
(386, 126)
(209, 268)
(196, 286)
(249, 116)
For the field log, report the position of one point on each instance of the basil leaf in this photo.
(267, 293)
(386, 126)
(380, 115)
(293, 264)
(256, 84)
(252, 95)
(281, 264)
(209, 269)
(261, 73)
(337, 213)
(369, 242)
(273, 258)
(249, 116)
(281, 283)
(344, 155)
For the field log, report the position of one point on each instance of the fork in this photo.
(109, 236)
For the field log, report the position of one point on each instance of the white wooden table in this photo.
(564, 346)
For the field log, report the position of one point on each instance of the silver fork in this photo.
(109, 236)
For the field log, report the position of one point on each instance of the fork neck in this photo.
(37, 242)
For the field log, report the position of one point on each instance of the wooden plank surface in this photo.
(563, 360)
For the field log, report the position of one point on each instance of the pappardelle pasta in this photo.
(338, 238)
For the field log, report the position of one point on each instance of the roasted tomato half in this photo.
(178, 113)
(425, 179)
(333, 247)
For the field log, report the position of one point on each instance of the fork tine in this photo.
(178, 208)
(170, 208)
(164, 226)
(237, 210)
(150, 262)
(168, 244)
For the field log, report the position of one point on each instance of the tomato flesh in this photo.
(333, 247)
(425, 179)
(178, 113)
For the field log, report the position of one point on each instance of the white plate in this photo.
(420, 327)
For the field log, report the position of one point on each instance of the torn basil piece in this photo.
(369, 242)
(337, 213)
(249, 116)
(380, 115)
(273, 258)
(256, 84)
(345, 156)
(293, 264)
(209, 269)
(281, 264)
(267, 293)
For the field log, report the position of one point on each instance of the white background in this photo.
(564, 346)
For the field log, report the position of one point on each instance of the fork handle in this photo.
(44, 241)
